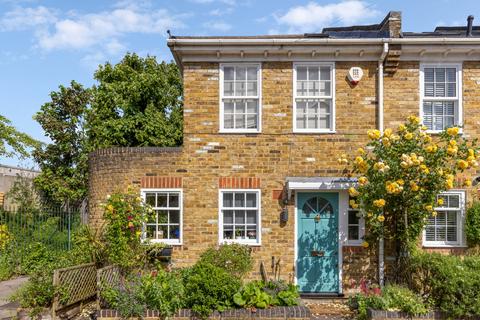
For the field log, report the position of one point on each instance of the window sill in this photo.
(444, 246)
(437, 132)
(243, 242)
(169, 242)
(239, 131)
(315, 131)
(352, 244)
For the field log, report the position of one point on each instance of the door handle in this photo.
(317, 253)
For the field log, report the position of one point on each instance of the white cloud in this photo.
(221, 12)
(218, 26)
(227, 2)
(313, 16)
(91, 31)
(25, 18)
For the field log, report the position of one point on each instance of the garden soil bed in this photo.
(381, 315)
(296, 313)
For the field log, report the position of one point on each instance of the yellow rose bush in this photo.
(400, 174)
(5, 236)
(124, 215)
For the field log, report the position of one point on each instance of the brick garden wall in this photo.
(207, 157)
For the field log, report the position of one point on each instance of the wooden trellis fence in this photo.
(107, 276)
(74, 284)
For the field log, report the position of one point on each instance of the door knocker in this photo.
(317, 218)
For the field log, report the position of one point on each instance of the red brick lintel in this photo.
(161, 182)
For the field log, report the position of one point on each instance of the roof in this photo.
(445, 32)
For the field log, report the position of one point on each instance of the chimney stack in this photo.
(469, 25)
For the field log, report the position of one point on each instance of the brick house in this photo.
(265, 119)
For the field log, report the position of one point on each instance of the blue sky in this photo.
(44, 44)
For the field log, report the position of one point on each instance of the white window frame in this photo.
(173, 242)
(458, 98)
(461, 242)
(332, 97)
(221, 240)
(258, 97)
(361, 228)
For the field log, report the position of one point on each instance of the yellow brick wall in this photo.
(271, 155)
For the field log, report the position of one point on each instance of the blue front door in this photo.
(317, 242)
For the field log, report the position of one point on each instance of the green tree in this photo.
(137, 102)
(24, 194)
(63, 162)
(14, 142)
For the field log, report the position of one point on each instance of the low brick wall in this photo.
(295, 313)
(381, 315)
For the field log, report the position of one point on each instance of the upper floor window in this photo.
(240, 87)
(240, 216)
(441, 96)
(314, 97)
(164, 224)
(445, 228)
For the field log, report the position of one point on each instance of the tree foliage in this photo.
(401, 175)
(137, 102)
(63, 162)
(14, 142)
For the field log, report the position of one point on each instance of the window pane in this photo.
(312, 122)
(174, 232)
(313, 88)
(241, 73)
(227, 199)
(302, 73)
(228, 73)
(239, 217)
(152, 217)
(313, 73)
(429, 75)
(430, 233)
(454, 201)
(451, 90)
(162, 232)
(239, 121)
(151, 232)
(240, 232)
(240, 88)
(429, 89)
(173, 200)
(312, 108)
(301, 107)
(251, 121)
(228, 216)
(301, 122)
(325, 73)
(440, 90)
(251, 217)
(252, 73)
(228, 106)
(439, 75)
(228, 121)
(451, 74)
(251, 200)
(150, 199)
(228, 232)
(162, 200)
(239, 199)
(252, 232)
(452, 234)
(325, 107)
(240, 106)
(162, 217)
(353, 233)
(174, 216)
(302, 88)
(251, 88)
(228, 88)
(325, 88)
(252, 106)
(353, 217)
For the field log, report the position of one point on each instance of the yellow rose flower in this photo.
(400, 182)
(110, 207)
(413, 186)
(362, 181)
(130, 224)
(414, 119)
(388, 133)
(429, 207)
(452, 150)
(453, 143)
(427, 138)
(462, 164)
(369, 214)
(424, 128)
(404, 164)
(395, 137)
(381, 218)
(440, 201)
(434, 214)
(449, 184)
(468, 183)
(408, 136)
(374, 134)
(386, 142)
(365, 244)
(453, 131)
(380, 203)
(361, 151)
(358, 160)
(471, 152)
(353, 192)
(401, 127)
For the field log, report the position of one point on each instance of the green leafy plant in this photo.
(451, 283)
(209, 288)
(472, 224)
(391, 298)
(233, 258)
(163, 291)
(124, 215)
(261, 294)
(127, 299)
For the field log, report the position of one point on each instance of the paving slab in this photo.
(8, 309)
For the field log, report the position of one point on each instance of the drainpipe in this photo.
(381, 245)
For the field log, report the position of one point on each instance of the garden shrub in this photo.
(261, 294)
(233, 258)
(472, 224)
(163, 291)
(392, 297)
(449, 282)
(126, 299)
(209, 288)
